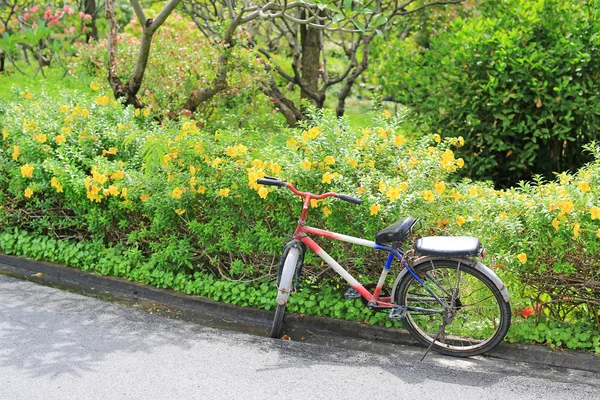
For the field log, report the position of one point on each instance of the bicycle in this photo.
(446, 299)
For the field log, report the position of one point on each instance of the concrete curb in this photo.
(259, 320)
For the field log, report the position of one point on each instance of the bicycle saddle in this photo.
(396, 232)
(448, 246)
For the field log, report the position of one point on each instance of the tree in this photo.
(128, 91)
(308, 29)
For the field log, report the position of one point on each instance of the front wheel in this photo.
(473, 316)
(284, 288)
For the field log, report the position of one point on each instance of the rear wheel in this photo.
(474, 318)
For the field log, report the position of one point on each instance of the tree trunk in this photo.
(358, 70)
(310, 39)
(2, 59)
(285, 106)
(90, 8)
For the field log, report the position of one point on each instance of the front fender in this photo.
(473, 263)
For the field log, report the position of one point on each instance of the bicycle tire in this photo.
(284, 287)
(277, 321)
(478, 324)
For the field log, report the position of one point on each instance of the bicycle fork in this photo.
(292, 260)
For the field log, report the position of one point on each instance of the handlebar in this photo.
(271, 181)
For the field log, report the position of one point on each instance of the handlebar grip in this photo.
(270, 182)
(350, 199)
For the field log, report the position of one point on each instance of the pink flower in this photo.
(34, 9)
(87, 17)
(81, 14)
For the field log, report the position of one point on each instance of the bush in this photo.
(78, 166)
(183, 60)
(519, 83)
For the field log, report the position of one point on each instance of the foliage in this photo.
(184, 200)
(48, 31)
(519, 82)
(183, 60)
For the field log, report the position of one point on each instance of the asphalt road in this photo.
(60, 345)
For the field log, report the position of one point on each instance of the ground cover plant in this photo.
(91, 184)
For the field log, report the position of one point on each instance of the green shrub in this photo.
(519, 82)
(184, 200)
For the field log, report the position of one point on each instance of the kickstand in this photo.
(442, 328)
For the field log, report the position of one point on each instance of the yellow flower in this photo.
(117, 175)
(576, 229)
(353, 163)
(85, 112)
(460, 162)
(146, 112)
(566, 206)
(473, 191)
(399, 140)
(216, 162)
(16, 152)
(522, 258)
(437, 138)
(457, 196)
(374, 209)
(555, 223)
(223, 193)
(263, 192)
(113, 190)
(371, 164)
(112, 150)
(144, 197)
(179, 211)
(176, 193)
(67, 129)
(40, 138)
(584, 187)
(460, 220)
(326, 211)
(75, 111)
(461, 141)
(314, 132)
(447, 161)
(386, 114)
(136, 112)
(306, 165)
(98, 177)
(598, 233)
(60, 139)
(329, 160)
(428, 195)
(292, 143)
(56, 184)
(202, 189)
(102, 100)
(595, 212)
(64, 109)
(440, 187)
(314, 203)
(28, 192)
(327, 177)
(393, 193)
(382, 186)
(361, 190)
(275, 168)
(94, 86)
(124, 193)
(27, 171)
(305, 136)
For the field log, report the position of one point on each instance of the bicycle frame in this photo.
(303, 230)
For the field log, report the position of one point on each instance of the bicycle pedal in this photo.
(352, 294)
(397, 313)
